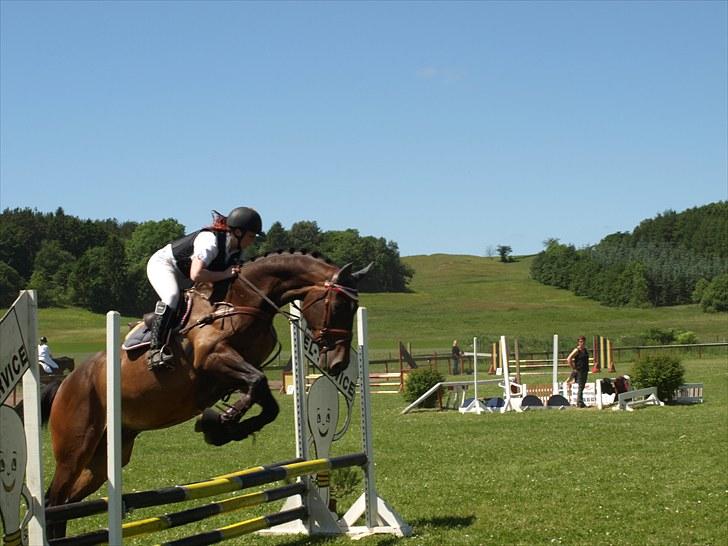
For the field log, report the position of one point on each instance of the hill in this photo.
(672, 259)
(454, 297)
(458, 297)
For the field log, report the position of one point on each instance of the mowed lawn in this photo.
(654, 476)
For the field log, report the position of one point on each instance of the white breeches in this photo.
(164, 276)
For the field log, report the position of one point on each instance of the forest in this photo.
(101, 264)
(672, 259)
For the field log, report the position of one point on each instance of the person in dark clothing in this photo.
(578, 361)
(457, 355)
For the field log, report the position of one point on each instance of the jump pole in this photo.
(505, 366)
(475, 406)
(555, 373)
(27, 311)
(113, 425)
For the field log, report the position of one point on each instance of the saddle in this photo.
(140, 333)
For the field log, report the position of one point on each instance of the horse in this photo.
(219, 351)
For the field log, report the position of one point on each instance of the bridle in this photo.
(324, 332)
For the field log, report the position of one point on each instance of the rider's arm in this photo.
(200, 273)
(204, 252)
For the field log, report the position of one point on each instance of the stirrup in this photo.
(160, 358)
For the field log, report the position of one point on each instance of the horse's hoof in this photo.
(209, 424)
(216, 438)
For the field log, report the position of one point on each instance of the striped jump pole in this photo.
(82, 509)
(241, 528)
(208, 488)
(184, 517)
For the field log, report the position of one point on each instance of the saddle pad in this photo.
(138, 337)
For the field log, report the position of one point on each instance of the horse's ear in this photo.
(343, 273)
(359, 274)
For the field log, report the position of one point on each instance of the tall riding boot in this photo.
(159, 354)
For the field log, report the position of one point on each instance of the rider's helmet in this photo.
(44, 340)
(245, 219)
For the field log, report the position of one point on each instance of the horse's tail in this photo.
(46, 400)
(47, 395)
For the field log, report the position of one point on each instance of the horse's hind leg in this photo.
(76, 430)
(88, 480)
(95, 473)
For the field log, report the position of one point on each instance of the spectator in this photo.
(457, 355)
(44, 357)
(578, 361)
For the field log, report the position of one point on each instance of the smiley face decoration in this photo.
(323, 416)
(13, 460)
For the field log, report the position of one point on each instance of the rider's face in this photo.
(245, 238)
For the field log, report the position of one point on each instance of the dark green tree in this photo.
(504, 251)
(98, 281)
(715, 295)
(276, 238)
(51, 271)
(10, 285)
(305, 235)
(148, 237)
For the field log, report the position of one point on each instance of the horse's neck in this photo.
(285, 280)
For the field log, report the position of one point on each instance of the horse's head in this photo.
(329, 310)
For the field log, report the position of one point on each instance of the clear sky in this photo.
(446, 127)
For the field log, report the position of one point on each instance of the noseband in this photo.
(321, 333)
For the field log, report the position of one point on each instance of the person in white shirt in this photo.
(210, 254)
(44, 357)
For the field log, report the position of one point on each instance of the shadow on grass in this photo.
(444, 522)
(449, 522)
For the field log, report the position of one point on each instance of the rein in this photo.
(319, 334)
(328, 287)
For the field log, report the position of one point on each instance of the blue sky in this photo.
(446, 127)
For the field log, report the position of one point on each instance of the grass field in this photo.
(453, 297)
(656, 476)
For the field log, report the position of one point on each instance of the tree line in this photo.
(674, 258)
(101, 264)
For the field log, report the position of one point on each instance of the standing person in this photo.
(44, 357)
(578, 360)
(457, 355)
(210, 254)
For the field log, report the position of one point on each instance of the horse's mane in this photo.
(289, 252)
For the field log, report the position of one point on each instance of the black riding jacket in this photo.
(182, 251)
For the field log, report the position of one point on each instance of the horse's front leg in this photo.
(231, 369)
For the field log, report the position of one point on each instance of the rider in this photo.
(210, 254)
(44, 357)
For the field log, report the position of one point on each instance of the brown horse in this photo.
(220, 351)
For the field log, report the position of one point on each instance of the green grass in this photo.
(655, 476)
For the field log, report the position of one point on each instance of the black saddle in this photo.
(140, 333)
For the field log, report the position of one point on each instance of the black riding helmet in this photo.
(245, 219)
